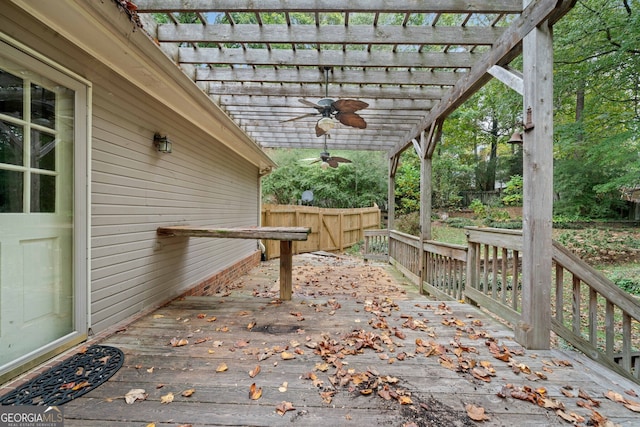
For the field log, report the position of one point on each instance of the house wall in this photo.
(134, 189)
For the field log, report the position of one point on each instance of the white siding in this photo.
(135, 189)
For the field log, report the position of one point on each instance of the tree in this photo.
(597, 102)
(352, 185)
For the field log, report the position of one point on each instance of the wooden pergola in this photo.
(412, 61)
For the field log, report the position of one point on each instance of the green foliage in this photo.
(457, 222)
(478, 208)
(628, 284)
(513, 191)
(358, 184)
(597, 107)
(409, 223)
(407, 182)
(601, 246)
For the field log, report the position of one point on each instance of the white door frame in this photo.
(81, 202)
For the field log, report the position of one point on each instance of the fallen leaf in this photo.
(81, 385)
(222, 367)
(283, 387)
(178, 342)
(255, 371)
(150, 370)
(189, 392)
(633, 406)
(255, 393)
(167, 398)
(284, 407)
(135, 394)
(476, 413)
(405, 400)
(287, 356)
(616, 397)
(151, 425)
(327, 396)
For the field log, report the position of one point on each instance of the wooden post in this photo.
(533, 331)
(286, 266)
(391, 198)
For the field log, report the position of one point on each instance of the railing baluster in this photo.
(559, 294)
(593, 317)
(485, 275)
(626, 341)
(505, 267)
(609, 327)
(515, 280)
(576, 306)
(494, 273)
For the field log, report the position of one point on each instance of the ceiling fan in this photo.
(343, 110)
(327, 159)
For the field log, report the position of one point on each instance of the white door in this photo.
(38, 294)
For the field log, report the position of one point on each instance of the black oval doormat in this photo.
(69, 379)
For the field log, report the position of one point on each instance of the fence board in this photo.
(331, 229)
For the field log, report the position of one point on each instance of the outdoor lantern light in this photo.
(162, 143)
(326, 124)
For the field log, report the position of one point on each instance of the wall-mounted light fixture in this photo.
(162, 143)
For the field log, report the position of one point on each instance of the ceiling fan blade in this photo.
(299, 117)
(311, 104)
(349, 105)
(351, 119)
(340, 160)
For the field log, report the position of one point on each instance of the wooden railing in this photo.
(590, 312)
(404, 254)
(331, 229)
(445, 270)
(603, 321)
(376, 245)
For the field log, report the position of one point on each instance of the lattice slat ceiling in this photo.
(257, 58)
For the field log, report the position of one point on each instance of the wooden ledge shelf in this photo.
(266, 233)
(285, 234)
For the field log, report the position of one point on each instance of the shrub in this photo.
(409, 223)
(460, 222)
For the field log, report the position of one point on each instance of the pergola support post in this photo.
(391, 194)
(533, 331)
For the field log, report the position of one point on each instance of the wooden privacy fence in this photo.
(589, 311)
(331, 229)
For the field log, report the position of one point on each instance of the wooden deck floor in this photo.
(368, 325)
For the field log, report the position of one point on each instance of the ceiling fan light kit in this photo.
(326, 124)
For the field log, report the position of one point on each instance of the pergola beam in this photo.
(355, 77)
(316, 91)
(326, 58)
(327, 34)
(323, 6)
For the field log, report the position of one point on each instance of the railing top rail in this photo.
(510, 239)
(407, 239)
(446, 245)
(380, 232)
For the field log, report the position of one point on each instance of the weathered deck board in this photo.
(337, 309)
